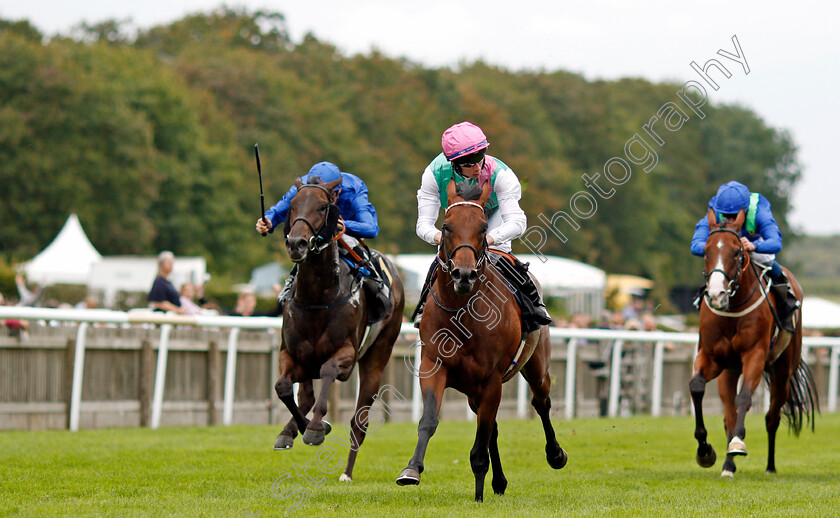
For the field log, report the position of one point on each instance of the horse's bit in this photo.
(479, 256)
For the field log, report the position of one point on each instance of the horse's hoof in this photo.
(727, 474)
(344, 478)
(770, 472)
(408, 477)
(284, 442)
(313, 437)
(706, 456)
(500, 486)
(736, 447)
(559, 460)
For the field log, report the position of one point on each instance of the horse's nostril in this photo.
(473, 275)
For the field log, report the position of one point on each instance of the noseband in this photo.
(319, 241)
(743, 263)
(479, 255)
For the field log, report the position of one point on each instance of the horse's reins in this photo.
(448, 265)
(316, 248)
(317, 236)
(743, 263)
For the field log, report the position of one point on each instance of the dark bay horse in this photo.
(324, 323)
(737, 326)
(472, 341)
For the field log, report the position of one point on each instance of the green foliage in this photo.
(149, 139)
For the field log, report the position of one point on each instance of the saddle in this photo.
(515, 273)
(369, 266)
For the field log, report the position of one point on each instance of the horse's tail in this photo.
(802, 403)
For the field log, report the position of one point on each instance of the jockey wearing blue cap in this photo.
(357, 212)
(760, 235)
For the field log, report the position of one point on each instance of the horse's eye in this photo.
(324, 207)
(483, 229)
(445, 228)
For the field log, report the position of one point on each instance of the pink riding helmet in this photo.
(462, 139)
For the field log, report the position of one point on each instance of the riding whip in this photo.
(262, 196)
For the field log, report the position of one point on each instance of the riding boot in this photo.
(534, 312)
(376, 284)
(424, 294)
(286, 292)
(786, 304)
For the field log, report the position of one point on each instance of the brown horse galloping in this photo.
(473, 341)
(736, 336)
(324, 323)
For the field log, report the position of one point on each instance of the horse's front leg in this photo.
(488, 407)
(290, 373)
(705, 369)
(432, 388)
(306, 398)
(753, 365)
(337, 367)
(728, 390)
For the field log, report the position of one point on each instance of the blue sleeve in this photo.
(701, 234)
(771, 242)
(364, 224)
(277, 214)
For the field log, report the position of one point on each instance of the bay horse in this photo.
(737, 325)
(472, 341)
(325, 321)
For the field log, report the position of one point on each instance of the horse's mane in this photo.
(468, 191)
(313, 180)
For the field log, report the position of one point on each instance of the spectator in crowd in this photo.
(15, 327)
(27, 296)
(88, 302)
(634, 310)
(246, 305)
(187, 296)
(163, 296)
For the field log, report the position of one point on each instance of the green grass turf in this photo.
(639, 466)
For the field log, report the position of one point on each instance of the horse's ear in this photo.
(712, 219)
(485, 193)
(451, 191)
(298, 182)
(333, 184)
(739, 220)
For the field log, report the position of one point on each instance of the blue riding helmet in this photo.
(731, 197)
(327, 171)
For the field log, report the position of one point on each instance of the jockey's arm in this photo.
(771, 236)
(508, 192)
(277, 214)
(364, 224)
(701, 234)
(428, 208)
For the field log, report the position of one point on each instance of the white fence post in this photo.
(571, 375)
(656, 389)
(521, 397)
(78, 375)
(230, 377)
(160, 375)
(415, 387)
(833, 368)
(615, 378)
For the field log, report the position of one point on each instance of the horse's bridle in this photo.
(479, 255)
(318, 242)
(743, 264)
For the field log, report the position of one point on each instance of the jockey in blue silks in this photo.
(760, 236)
(357, 212)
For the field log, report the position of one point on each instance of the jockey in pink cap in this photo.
(464, 158)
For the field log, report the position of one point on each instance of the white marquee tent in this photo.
(67, 260)
(72, 259)
(818, 313)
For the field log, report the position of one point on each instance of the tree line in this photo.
(149, 138)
